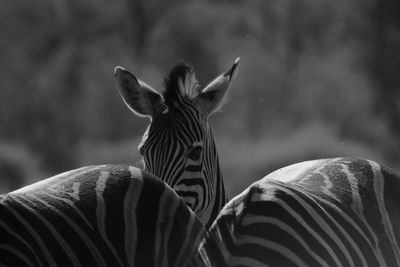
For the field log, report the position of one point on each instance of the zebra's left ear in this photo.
(212, 97)
(143, 100)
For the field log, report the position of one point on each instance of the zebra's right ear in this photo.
(212, 97)
(140, 98)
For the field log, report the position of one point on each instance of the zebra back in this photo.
(333, 212)
(111, 215)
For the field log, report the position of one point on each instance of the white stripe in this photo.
(343, 231)
(63, 244)
(301, 221)
(229, 259)
(278, 248)
(356, 204)
(247, 220)
(15, 235)
(101, 212)
(322, 223)
(79, 231)
(130, 205)
(359, 210)
(72, 204)
(295, 171)
(50, 181)
(379, 192)
(35, 236)
(203, 253)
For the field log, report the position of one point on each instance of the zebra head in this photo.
(178, 146)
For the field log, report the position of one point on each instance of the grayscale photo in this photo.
(207, 133)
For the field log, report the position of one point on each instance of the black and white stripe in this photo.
(183, 153)
(97, 216)
(334, 212)
(178, 146)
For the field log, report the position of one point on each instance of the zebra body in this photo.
(330, 212)
(110, 215)
(114, 215)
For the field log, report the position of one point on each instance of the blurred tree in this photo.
(302, 75)
(385, 63)
(143, 16)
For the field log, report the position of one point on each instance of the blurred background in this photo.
(317, 79)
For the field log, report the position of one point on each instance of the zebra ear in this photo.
(213, 95)
(140, 98)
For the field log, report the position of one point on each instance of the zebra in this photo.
(105, 215)
(178, 146)
(327, 212)
(115, 215)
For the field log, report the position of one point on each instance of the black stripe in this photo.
(146, 215)
(7, 238)
(323, 208)
(51, 244)
(177, 238)
(114, 196)
(10, 259)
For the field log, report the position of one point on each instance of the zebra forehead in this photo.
(179, 84)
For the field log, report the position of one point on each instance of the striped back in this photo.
(335, 212)
(178, 146)
(97, 216)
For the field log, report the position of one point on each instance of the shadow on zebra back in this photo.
(328, 212)
(97, 216)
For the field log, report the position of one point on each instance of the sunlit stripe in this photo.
(61, 241)
(322, 223)
(379, 192)
(130, 204)
(356, 205)
(35, 236)
(289, 173)
(359, 209)
(21, 256)
(72, 204)
(204, 255)
(101, 212)
(300, 220)
(221, 244)
(52, 181)
(342, 230)
(251, 219)
(79, 231)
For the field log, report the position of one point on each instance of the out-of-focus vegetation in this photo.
(317, 79)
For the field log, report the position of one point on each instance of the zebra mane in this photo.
(180, 83)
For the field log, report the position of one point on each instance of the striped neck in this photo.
(179, 148)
